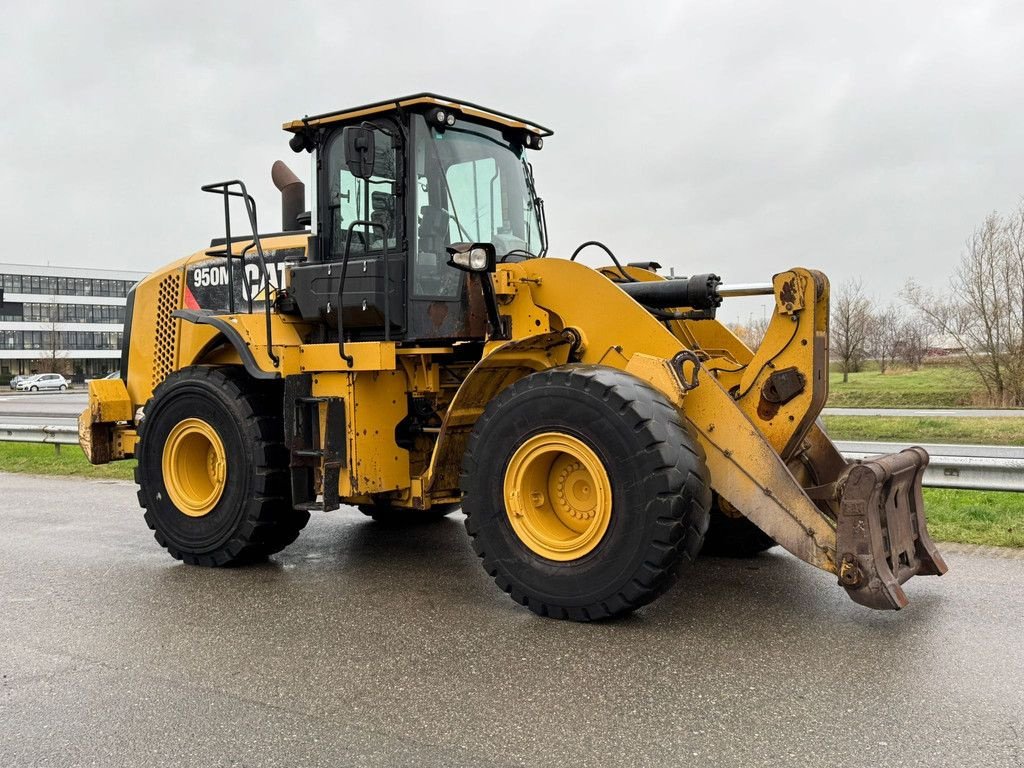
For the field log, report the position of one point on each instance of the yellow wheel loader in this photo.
(408, 346)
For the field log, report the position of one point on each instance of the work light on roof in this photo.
(442, 118)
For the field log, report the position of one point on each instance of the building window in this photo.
(69, 313)
(64, 286)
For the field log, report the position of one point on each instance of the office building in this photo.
(65, 320)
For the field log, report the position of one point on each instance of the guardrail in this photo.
(967, 467)
(60, 434)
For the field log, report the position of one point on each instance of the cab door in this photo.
(372, 295)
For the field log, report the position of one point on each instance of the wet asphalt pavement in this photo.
(364, 645)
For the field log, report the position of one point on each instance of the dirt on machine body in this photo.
(409, 346)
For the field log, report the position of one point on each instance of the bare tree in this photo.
(1013, 275)
(984, 311)
(850, 326)
(884, 333)
(53, 360)
(915, 339)
(751, 332)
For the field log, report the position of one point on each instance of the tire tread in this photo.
(269, 524)
(675, 470)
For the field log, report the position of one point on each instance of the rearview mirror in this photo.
(359, 151)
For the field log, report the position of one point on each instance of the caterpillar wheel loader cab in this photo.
(408, 345)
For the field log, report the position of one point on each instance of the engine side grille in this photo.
(165, 338)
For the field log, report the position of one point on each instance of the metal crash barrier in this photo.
(964, 467)
(59, 434)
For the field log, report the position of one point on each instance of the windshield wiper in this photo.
(538, 204)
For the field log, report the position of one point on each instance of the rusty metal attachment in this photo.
(687, 380)
(881, 534)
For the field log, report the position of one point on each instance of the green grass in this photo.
(972, 517)
(962, 431)
(45, 460)
(932, 386)
(991, 518)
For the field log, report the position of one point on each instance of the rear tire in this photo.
(732, 535)
(401, 516)
(584, 492)
(206, 512)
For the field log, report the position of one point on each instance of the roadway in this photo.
(44, 408)
(366, 645)
(959, 413)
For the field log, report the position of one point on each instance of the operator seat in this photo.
(383, 213)
(431, 257)
(433, 229)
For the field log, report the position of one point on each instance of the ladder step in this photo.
(314, 452)
(310, 506)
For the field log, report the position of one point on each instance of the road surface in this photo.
(365, 645)
(43, 408)
(959, 413)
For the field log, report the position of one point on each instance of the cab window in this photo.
(351, 199)
(471, 185)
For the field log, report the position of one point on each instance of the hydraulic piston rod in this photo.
(745, 289)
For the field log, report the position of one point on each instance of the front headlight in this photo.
(472, 257)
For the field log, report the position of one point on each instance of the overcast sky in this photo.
(865, 139)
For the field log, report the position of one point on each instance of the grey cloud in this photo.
(865, 139)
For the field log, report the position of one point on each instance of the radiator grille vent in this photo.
(166, 329)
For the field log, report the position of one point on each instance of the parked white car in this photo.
(111, 375)
(43, 381)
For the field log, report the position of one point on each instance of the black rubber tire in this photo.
(33, 389)
(254, 516)
(63, 387)
(400, 516)
(660, 492)
(730, 536)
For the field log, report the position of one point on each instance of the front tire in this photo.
(63, 387)
(33, 389)
(213, 470)
(584, 492)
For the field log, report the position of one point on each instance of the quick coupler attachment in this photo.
(881, 534)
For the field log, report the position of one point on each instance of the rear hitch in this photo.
(881, 534)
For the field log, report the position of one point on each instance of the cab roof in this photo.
(420, 99)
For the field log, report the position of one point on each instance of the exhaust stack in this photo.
(293, 195)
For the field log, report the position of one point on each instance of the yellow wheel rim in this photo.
(557, 496)
(194, 467)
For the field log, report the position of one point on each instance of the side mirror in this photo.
(472, 257)
(359, 151)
